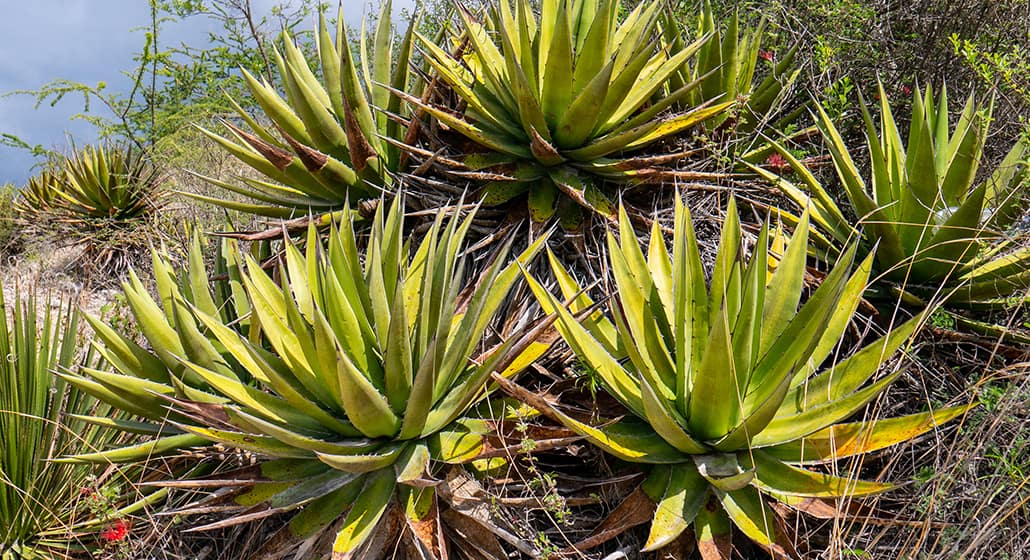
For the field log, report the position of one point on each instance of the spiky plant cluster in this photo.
(98, 198)
(350, 366)
(353, 376)
(940, 229)
(728, 402)
(53, 510)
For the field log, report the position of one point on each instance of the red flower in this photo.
(766, 55)
(777, 162)
(116, 531)
(907, 90)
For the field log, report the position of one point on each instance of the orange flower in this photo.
(116, 531)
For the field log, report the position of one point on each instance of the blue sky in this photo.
(87, 41)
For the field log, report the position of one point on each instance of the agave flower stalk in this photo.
(326, 140)
(558, 104)
(934, 223)
(351, 382)
(728, 404)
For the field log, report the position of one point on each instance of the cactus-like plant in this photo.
(99, 198)
(562, 102)
(729, 403)
(351, 380)
(935, 225)
(98, 186)
(327, 141)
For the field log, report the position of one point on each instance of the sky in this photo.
(88, 41)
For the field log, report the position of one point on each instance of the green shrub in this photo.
(9, 238)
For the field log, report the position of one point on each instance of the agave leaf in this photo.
(683, 498)
(262, 445)
(413, 464)
(627, 439)
(141, 451)
(557, 70)
(784, 289)
(791, 427)
(847, 440)
(920, 164)
(323, 511)
(308, 490)
(577, 122)
(715, 402)
(750, 514)
(365, 463)
(366, 408)
(692, 308)
(461, 442)
(773, 475)
(364, 514)
(712, 527)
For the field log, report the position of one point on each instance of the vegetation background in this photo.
(972, 485)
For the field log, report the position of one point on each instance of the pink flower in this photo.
(906, 89)
(116, 531)
(766, 55)
(777, 162)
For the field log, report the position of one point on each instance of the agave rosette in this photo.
(325, 142)
(934, 223)
(728, 403)
(98, 186)
(351, 381)
(558, 103)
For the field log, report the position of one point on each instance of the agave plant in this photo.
(149, 372)
(49, 509)
(558, 103)
(38, 195)
(727, 66)
(98, 186)
(932, 220)
(351, 381)
(728, 403)
(327, 140)
(98, 198)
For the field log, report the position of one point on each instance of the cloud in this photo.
(87, 41)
